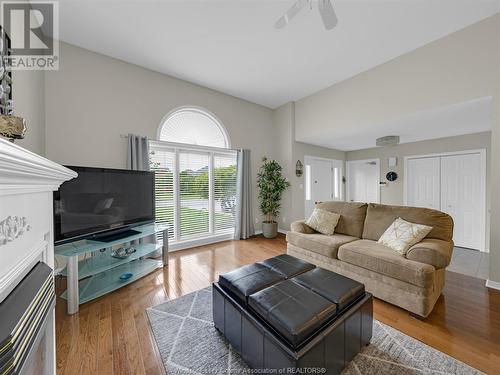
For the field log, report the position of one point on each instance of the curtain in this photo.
(244, 223)
(137, 153)
(138, 160)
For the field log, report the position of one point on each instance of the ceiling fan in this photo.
(325, 10)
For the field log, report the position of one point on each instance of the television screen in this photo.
(101, 199)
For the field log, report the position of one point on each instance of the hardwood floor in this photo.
(111, 335)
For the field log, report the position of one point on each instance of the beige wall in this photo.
(454, 69)
(93, 99)
(288, 151)
(495, 174)
(29, 102)
(393, 192)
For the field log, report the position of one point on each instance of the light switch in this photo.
(392, 161)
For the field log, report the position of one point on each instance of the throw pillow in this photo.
(401, 235)
(323, 221)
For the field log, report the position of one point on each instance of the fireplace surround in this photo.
(27, 326)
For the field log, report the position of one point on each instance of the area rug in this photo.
(189, 344)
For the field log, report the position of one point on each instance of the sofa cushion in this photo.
(352, 216)
(292, 310)
(401, 235)
(301, 227)
(323, 221)
(437, 253)
(380, 216)
(378, 258)
(319, 243)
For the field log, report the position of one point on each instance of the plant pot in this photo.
(270, 229)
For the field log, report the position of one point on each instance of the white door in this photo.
(423, 181)
(323, 181)
(460, 192)
(454, 184)
(363, 181)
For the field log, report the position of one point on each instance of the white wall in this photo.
(28, 94)
(93, 99)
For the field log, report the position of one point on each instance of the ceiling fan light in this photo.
(390, 140)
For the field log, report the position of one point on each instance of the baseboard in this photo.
(493, 284)
(282, 231)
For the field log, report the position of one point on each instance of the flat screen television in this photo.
(100, 201)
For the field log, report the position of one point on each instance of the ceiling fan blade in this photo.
(327, 14)
(290, 13)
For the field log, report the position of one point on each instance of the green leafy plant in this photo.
(271, 186)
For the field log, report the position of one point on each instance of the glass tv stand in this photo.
(92, 272)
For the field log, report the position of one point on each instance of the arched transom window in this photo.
(194, 126)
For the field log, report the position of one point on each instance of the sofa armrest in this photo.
(432, 251)
(301, 227)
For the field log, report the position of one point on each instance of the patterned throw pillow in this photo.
(401, 235)
(323, 221)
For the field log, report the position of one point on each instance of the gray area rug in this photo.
(189, 344)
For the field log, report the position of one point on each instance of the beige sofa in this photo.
(413, 282)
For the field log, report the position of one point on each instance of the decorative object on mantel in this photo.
(12, 227)
(299, 169)
(11, 127)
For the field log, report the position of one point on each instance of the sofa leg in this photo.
(416, 316)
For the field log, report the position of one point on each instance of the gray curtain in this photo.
(244, 223)
(138, 160)
(137, 153)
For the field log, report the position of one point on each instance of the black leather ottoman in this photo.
(284, 314)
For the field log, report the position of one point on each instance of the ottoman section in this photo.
(247, 280)
(287, 266)
(292, 310)
(334, 287)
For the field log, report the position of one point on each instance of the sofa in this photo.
(413, 281)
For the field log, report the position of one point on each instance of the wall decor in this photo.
(391, 176)
(5, 76)
(11, 127)
(12, 227)
(299, 169)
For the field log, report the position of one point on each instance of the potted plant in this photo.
(271, 186)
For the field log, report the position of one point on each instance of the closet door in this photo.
(460, 197)
(423, 183)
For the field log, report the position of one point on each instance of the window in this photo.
(194, 126)
(195, 183)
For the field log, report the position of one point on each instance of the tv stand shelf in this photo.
(98, 273)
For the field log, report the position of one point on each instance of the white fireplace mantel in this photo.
(27, 182)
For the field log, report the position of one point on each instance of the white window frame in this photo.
(178, 243)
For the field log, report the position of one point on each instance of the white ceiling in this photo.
(463, 118)
(231, 45)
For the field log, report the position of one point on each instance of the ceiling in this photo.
(463, 118)
(232, 45)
